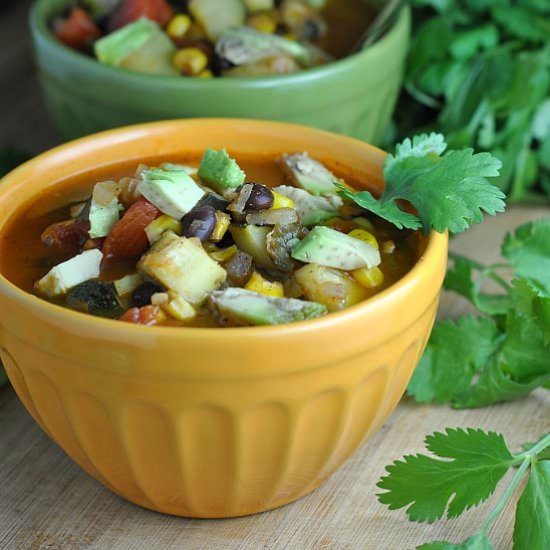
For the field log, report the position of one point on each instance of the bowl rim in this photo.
(436, 247)
(39, 27)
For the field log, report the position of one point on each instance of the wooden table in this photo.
(47, 502)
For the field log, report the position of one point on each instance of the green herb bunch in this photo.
(479, 72)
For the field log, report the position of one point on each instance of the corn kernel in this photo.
(262, 22)
(364, 236)
(280, 201)
(178, 26)
(190, 61)
(156, 228)
(223, 221)
(369, 278)
(207, 73)
(223, 254)
(388, 247)
(260, 285)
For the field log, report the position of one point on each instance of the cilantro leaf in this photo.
(528, 250)
(428, 485)
(388, 211)
(456, 352)
(532, 528)
(478, 542)
(449, 190)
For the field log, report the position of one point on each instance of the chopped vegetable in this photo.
(128, 284)
(244, 46)
(220, 171)
(311, 210)
(309, 174)
(163, 223)
(182, 265)
(215, 20)
(173, 192)
(140, 46)
(239, 268)
(333, 288)
(146, 315)
(104, 208)
(250, 308)
(68, 274)
(128, 11)
(77, 31)
(128, 237)
(252, 239)
(259, 284)
(174, 305)
(96, 298)
(328, 247)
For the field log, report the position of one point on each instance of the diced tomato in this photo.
(146, 315)
(128, 237)
(66, 237)
(131, 10)
(77, 31)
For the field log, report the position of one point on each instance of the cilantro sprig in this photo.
(504, 353)
(449, 189)
(465, 471)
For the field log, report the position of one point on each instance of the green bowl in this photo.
(353, 96)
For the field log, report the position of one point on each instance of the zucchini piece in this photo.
(173, 192)
(252, 239)
(181, 264)
(66, 275)
(96, 298)
(215, 18)
(243, 307)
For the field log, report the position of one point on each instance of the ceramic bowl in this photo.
(354, 96)
(212, 422)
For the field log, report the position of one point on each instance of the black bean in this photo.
(261, 198)
(142, 294)
(214, 200)
(199, 222)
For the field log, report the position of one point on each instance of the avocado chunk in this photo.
(104, 208)
(244, 45)
(173, 192)
(309, 174)
(96, 298)
(66, 275)
(311, 210)
(252, 239)
(243, 307)
(181, 264)
(214, 18)
(220, 171)
(139, 46)
(328, 247)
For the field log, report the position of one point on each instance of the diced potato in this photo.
(260, 285)
(252, 239)
(216, 19)
(128, 284)
(181, 264)
(331, 287)
(71, 273)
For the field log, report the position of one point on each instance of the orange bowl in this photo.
(212, 422)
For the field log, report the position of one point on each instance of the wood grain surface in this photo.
(47, 502)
